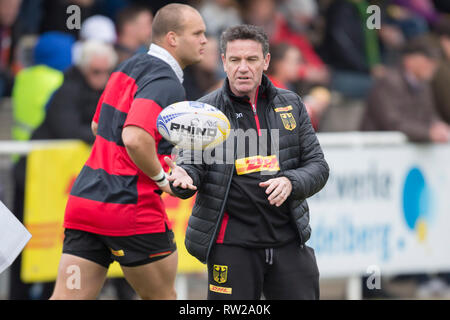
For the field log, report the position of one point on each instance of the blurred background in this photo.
(360, 66)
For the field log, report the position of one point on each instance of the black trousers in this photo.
(288, 272)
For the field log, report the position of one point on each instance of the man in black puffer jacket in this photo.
(250, 221)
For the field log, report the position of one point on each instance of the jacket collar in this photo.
(265, 88)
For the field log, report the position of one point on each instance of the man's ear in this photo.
(172, 39)
(266, 61)
(223, 61)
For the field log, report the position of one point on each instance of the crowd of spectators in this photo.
(320, 49)
(394, 59)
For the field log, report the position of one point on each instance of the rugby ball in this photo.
(193, 125)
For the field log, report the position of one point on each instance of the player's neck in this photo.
(171, 51)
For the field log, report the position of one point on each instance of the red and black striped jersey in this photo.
(111, 195)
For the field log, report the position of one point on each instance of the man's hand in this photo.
(279, 190)
(439, 132)
(167, 189)
(179, 176)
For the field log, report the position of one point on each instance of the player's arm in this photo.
(179, 177)
(95, 119)
(141, 148)
(94, 127)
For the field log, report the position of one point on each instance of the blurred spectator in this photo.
(33, 86)
(23, 53)
(284, 62)
(441, 79)
(9, 10)
(351, 48)
(134, 29)
(219, 15)
(70, 110)
(299, 14)
(402, 100)
(111, 8)
(264, 13)
(261, 13)
(54, 17)
(411, 24)
(317, 101)
(204, 77)
(30, 17)
(99, 28)
(421, 8)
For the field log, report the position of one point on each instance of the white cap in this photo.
(98, 28)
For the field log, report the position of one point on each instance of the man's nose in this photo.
(243, 66)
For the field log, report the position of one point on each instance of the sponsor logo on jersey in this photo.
(283, 109)
(256, 164)
(218, 289)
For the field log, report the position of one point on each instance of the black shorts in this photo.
(284, 273)
(128, 251)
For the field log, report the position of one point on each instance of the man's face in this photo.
(424, 67)
(97, 73)
(445, 44)
(191, 41)
(9, 9)
(210, 56)
(291, 63)
(244, 64)
(143, 27)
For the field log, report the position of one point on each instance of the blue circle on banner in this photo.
(416, 197)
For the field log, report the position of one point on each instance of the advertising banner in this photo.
(383, 207)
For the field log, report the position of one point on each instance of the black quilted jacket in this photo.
(301, 160)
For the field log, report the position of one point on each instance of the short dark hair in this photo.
(277, 53)
(129, 14)
(169, 18)
(244, 32)
(422, 45)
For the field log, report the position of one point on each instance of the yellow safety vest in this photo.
(32, 89)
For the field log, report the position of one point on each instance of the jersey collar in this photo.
(164, 55)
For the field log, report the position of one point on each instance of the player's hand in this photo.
(279, 190)
(167, 189)
(179, 177)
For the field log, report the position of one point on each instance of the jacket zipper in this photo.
(254, 112)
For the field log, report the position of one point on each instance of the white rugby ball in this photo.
(193, 125)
